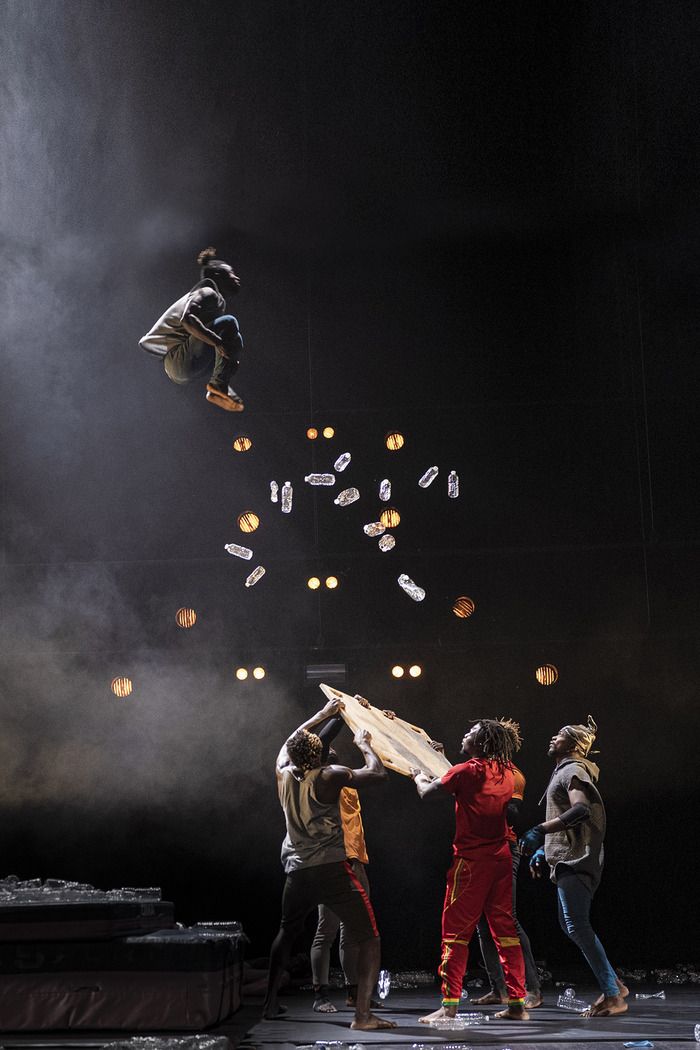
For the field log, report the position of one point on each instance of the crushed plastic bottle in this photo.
(320, 479)
(375, 528)
(287, 493)
(387, 542)
(255, 575)
(274, 489)
(459, 1021)
(411, 588)
(342, 461)
(238, 551)
(428, 478)
(385, 490)
(651, 995)
(697, 1033)
(453, 484)
(570, 1002)
(383, 983)
(171, 1042)
(346, 496)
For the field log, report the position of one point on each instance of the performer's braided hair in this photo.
(209, 265)
(498, 739)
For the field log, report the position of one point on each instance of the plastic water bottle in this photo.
(342, 461)
(384, 983)
(697, 1033)
(453, 484)
(273, 491)
(385, 490)
(411, 588)
(238, 551)
(386, 543)
(346, 496)
(287, 492)
(375, 528)
(651, 995)
(570, 1002)
(428, 478)
(255, 575)
(320, 479)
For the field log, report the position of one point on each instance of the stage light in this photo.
(186, 618)
(258, 672)
(415, 670)
(390, 517)
(248, 521)
(547, 674)
(312, 433)
(242, 443)
(463, 607)
(397, 671)
(313, 583)
(121, 686)
(328, 432)
(394, 441)
(331, 582)
(241, 674)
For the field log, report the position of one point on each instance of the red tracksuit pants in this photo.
(476, 887)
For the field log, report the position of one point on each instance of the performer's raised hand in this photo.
(333, 706)
(437, 746)
(361, 701)
(389, 714)
(362, 737)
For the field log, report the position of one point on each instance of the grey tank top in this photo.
(314, 831)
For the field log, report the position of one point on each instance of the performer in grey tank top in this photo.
(313, 855)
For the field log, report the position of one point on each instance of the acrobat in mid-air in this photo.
(196, 335)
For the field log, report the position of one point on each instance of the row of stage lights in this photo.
(393, 440)
(462, 607)
(121, 686)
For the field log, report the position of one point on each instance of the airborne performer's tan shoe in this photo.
(231, 402)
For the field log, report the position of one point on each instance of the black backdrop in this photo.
(475, 223)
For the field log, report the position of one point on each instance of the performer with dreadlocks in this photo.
(570, 841)
(314, 858)
(197, 335)
(480, 879)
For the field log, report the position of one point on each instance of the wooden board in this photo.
(400, 745)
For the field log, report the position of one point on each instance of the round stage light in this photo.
(390, 517)
(394, 441)
(331, 582)
(258, 672)
(186, 618)
(415, 670)
(312, 433)
(242, 443)
(328, 432)
(463, 607)
(313, 583)
(397, 671)
(248, 521)
(241, 674)
(547, 674)
(121, 686)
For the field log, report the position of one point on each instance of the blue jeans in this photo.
(194, 358)
(574, 918)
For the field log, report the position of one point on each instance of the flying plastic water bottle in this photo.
(384, 983)
(255, 575)
(386, 543)
(320, 479)
(385, 490)
(428, 478)
(273, 491)
(375, 528)
(346, 496)
(238, 551)
(411, 588)
(453, 484)
(342, 461)
(287, 492)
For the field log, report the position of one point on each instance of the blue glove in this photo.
(536, 859)
(531, 840)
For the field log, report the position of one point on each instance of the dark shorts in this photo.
(336, 886)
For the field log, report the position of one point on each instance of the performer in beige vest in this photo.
(314, 858)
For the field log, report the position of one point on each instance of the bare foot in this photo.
(622, 990)
(439, 1015)
(490, 999)
(513, 1012)
(273, 1012)
(611, 1005)
(370, 1023)
(533, 1001)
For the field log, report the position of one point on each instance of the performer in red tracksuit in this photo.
(480, 879)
